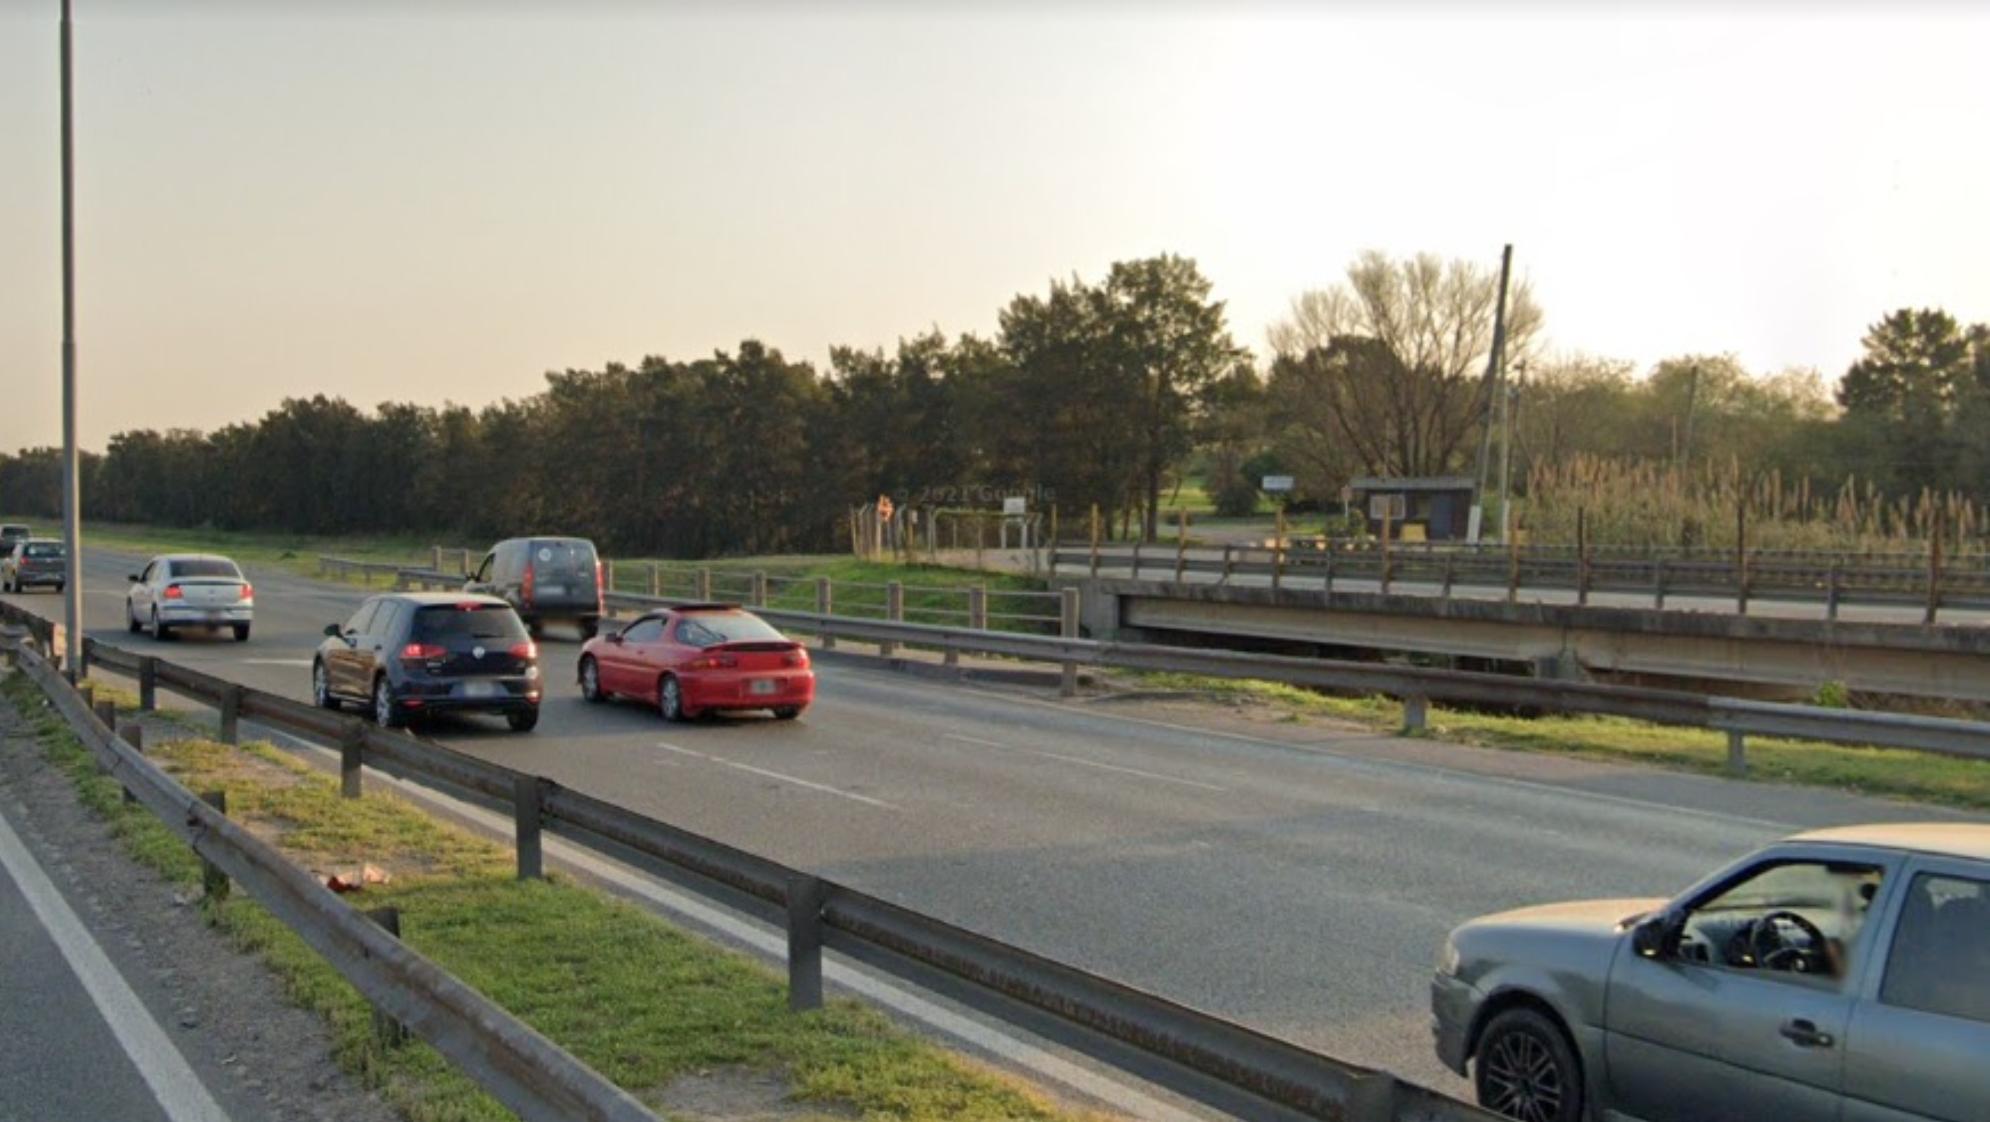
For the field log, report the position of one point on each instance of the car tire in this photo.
(787, 712)
(321, 687)
(160, 631)
(523, 720)
(131, 623)
(58, 589)
(590, 679)
(589, 628)
(385, 713)
(1525, 1068)
(241, 632)
(670, 699)
(533, 629)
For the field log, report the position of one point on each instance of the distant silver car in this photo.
(1837, 975)
(182, 590)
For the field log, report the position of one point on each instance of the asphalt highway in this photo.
(1296, 877)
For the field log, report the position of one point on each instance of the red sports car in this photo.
(699, 658)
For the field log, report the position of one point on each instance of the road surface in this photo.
(1296, 877)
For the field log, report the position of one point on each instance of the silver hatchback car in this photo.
(1839, 975)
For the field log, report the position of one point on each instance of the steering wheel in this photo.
(1773, 950)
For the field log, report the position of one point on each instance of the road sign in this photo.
(1278, 483)
(1015, 505)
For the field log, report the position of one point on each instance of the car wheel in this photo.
(670, 699)
(321, 687)
(385, 713)
(159, 630)
(241, 633)
(589, 628)
(1526, 1069)
(787, 712)
(523, 720)
(533, 629)
(131, 623)
(590, 679)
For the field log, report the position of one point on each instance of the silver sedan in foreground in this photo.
(1838, 975)
(182, 590)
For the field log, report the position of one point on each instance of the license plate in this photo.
(214, 617)
(764, 686)
(553, 589)
(480, 689)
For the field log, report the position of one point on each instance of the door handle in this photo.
(1804, 1034)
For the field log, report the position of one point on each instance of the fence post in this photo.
(1658, 584)
(1934, 573)
(106, 711)
(822, 608)
(389, 1032)
(1278, 552)
(231, 715)
(1327, 583)
(148, 683)
(894, 610)
(977, 607)
(1067, 626)
(1053, 539)
(980, 560)
(1095, 539)
(1450, 572)
(1741, 556)
(352, 746)
(804, 943)
(1737, 752)
(435, 558)
(134, 735)
(1387, 509)
(1581, 556)
(213, 881)
(1181, 542)
(1416, 713)
(526, 811)
(705, 585)
(87, 692)
(759, 588)
(1513, 568)
(1226, 564)
(1832, 588)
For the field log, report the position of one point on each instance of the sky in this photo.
(441, 201)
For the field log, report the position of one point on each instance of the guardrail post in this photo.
(1372, 1098)
(1067, 626)
(435, 558)
(1327, 582)
(654, 584)
(1741, 557)
(352, 747)
(1658, 584)
(1934, 575)
(527, 798)
(704, 585)
(87, 692)
(1225, 579)
(106, 711)
(977, 607)
(214, 882)
(1387, 509)
(231, 715)
(1450, 572)
(1581, 556)
(894, 610)
(1416, 713)
(1136, 558)
(1181, 542)
(1833, 587)
(387, 1031)
(823, 607)
(1737, 752)
(759, 588)
(1513, 569)
(148, 683)
(804, 943)
(1095, 539)
(134, 735)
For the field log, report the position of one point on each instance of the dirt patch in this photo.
(736, 1094)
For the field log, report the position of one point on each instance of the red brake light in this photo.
(712, 662)
(173, 592)
(527, 649)
(525, 589)
(796, 657)
(248, 591)
(422, 652)
(600, 593)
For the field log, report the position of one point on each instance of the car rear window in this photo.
(43, 549)
(563, 557)
(443, 622)
(204, 567)
(708, 629)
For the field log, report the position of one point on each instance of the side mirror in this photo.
(332, 630)
(615, 637)
(133, 578)
(1652, 938)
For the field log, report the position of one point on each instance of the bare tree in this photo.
(1392, 359)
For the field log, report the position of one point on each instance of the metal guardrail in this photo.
(507, 1058)
(822, 913)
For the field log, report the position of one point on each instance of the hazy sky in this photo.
(441, 201)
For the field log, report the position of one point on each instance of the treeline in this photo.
(1110, 393)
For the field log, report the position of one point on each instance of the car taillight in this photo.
(712, 662)
(527, 649)
(173, 592)
(248, 593)
(600, 592)
(422, 652)
(796, 657)
(525, 589)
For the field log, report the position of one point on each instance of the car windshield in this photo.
(443, 622)
(43, 549)
(205, 567)
(709, 629)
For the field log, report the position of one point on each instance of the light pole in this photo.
(72, 521)
(1490, 388)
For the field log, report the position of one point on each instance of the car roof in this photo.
(431, 599)
(193, 557)
(1947, 839)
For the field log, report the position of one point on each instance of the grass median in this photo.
(1888, 772)
(640, 1001)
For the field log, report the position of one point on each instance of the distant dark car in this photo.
(544, 579)
(408, 654)
(12, 533)
(30, 562)
(699, 658)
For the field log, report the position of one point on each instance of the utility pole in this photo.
(1492, 385)
(72, 520)
(1508, 412)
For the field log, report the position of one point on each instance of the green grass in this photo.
(634, 997)
(295, 552)
(935, 594)
(1888, 772)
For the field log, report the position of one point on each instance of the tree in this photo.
(1397, 354)
(1918, 369)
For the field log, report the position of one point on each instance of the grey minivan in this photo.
(1840, 975)
(544, 579)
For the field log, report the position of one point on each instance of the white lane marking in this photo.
(1081, 761)
(179, 1091)
(797, 781)
(972, 740)
(274, 661)
(774, 945)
